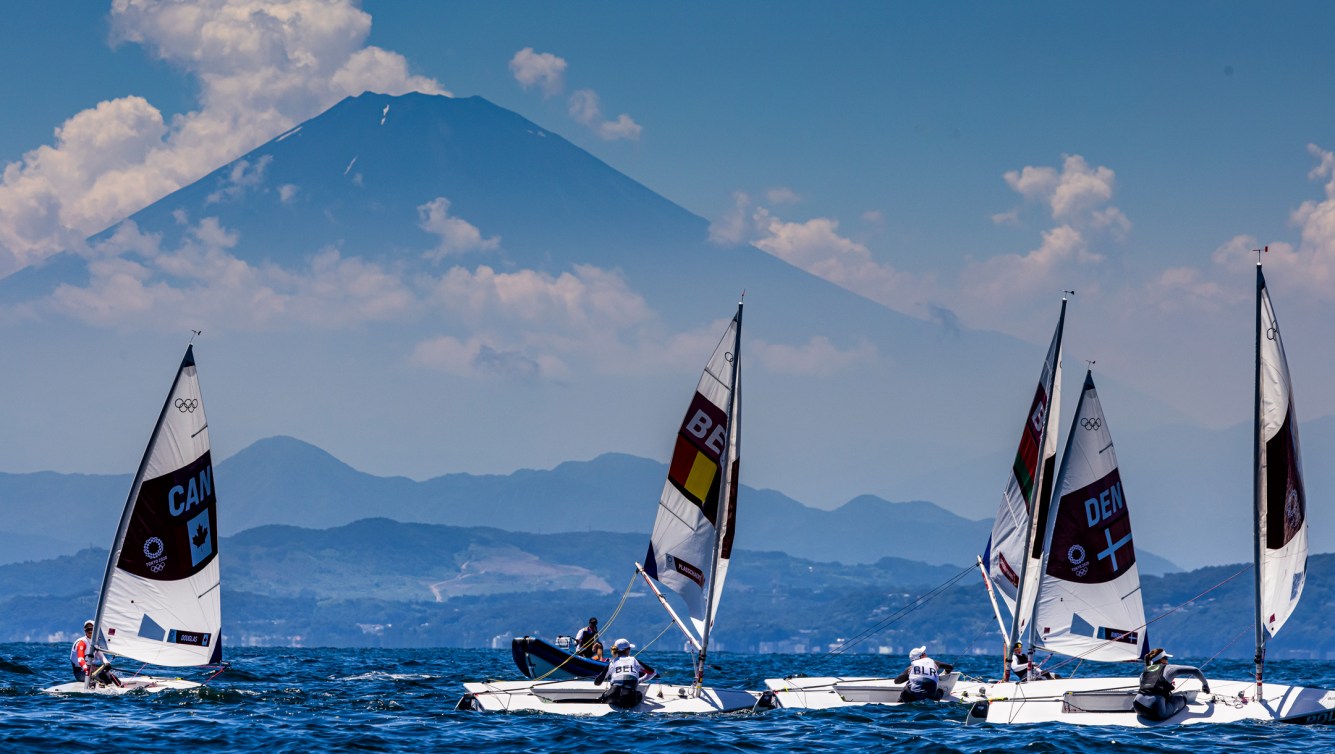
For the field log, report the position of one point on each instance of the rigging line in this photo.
(670, 624)
(896, 616)
(1155, 619)
(1226, 646)
(572, 655)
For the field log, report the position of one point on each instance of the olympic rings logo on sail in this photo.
(153, 549)
(1076, 557)
(1092, 423)
(187, 405)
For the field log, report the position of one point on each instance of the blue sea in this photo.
(400, 700)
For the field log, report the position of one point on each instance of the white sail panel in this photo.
(1089, 602)
(1282, 499)
(728, 521)
(685, 533)
(1029, 481)
(160, 602)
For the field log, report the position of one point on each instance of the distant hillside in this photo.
(381, 583)
(285, 481)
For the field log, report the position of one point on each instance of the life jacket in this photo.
(923, 675)
(1152, 681)
(79, 654)
(1020, 663)
(624, 671)
(584, 640)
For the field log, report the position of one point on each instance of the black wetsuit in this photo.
(1156, 700)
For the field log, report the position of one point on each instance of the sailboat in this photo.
(538, 658)
(1005, 564)
(689, 552)
(1280, 529)
(159, 603)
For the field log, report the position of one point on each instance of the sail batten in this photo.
(160, 601)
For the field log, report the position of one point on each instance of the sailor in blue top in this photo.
(921, 677)
(624, 672)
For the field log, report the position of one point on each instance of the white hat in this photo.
(621, 645)
(917, 652)
(88, 624)
(1157, 654)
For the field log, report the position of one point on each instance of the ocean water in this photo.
(398, 700)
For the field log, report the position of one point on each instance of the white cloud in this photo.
(476, 357)
(242, 177)
(287, 192)
(585, 108)
(735, 225)
(589, 298)
(1315, 257)
(262, 67)
(1078, 198)
(137, 285)
(817, 247)
(782, 195)
(999, 279)
(1071, 194)
(540, 68)
(818, 356)
(457, 236)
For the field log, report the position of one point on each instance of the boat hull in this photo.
(827, 692)
(1106, 701)
(581, 698)
(141, 683)
(540, 659)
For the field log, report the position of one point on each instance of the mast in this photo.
(1258, 526)
(727, 496)
(1040, 498)
(118, 543)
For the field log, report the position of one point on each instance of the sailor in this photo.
(1024, 670)
(585, 639)
(90, 666)
(624, 673)
(1156, 700)
(922, 676)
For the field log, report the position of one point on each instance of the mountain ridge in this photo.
(285, 481)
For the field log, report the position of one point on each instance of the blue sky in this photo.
(963, 162)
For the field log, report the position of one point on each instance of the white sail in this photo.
(1281, 502)
(1028, 487)
(688, 532)
(1089, 602)
(159, 602)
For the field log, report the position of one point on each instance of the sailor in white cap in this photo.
(89, 664)
(1156, 700)
(623, 672)
(922, 676)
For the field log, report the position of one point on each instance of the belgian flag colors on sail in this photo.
(1281, 500)
(689, 530)
(160, 600)
(1088, 601)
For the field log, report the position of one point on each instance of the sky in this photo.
(961, 163)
